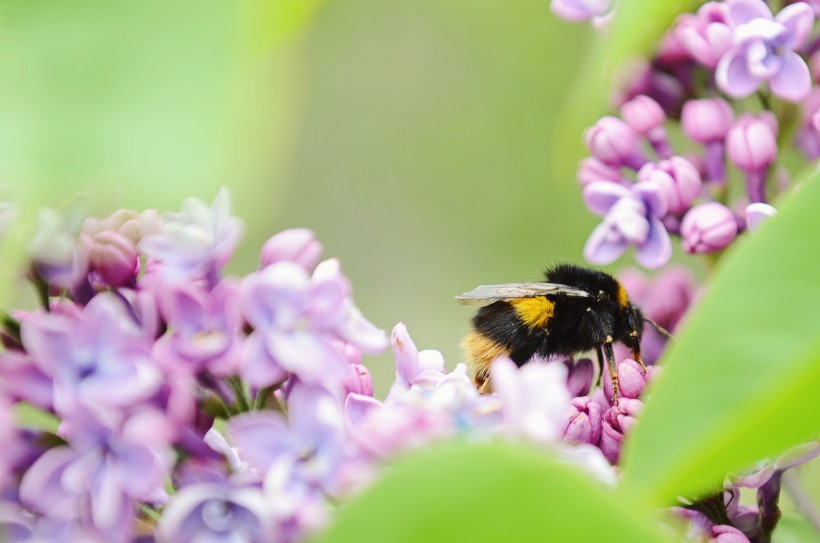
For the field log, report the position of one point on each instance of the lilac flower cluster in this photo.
(646, 189)
(193, 406)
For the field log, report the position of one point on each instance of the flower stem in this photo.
(242, 401)
(262, 397)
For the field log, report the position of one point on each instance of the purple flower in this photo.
(534, 398)
(583, 421)
(359, 380)
(297, 245)
(808, 139)
(632, 216)
(113, 257)
(8, 435)
(678, 178)
(764, 50)
(631, 379)
(618, 420)
(615, 143)
(580, 10)
(707, 228)
(216, 512)
(752, 142)
(299, 323)
(791, 458)
(97, 358)
(24, 381)
(413, 367)
(727, 534)
(195, 243)
(205, 328)
(646, 117)
(591, 169)
(707, 120)
(706, 36)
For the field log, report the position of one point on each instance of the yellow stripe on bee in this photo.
(623, 297)
(481, 351)
(535, 312)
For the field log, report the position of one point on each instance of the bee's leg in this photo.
(636, 350)
(613, 368)
(599, 351)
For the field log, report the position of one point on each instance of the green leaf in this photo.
(740, 383)
(490, 492)
(614, 56)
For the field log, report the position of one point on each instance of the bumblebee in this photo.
(576, 310)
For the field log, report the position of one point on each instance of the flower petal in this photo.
(657, 250)
(793, 81)
(733, 76)
(744, 11)
(798, 19)
(604, 245)
(599, 196)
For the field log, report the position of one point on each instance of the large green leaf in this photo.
(740, 383)
(616, 52)
(491, 492)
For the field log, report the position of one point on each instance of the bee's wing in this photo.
(488, 294)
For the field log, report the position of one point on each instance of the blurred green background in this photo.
(415, 137)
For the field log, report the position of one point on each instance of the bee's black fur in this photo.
(578, 324)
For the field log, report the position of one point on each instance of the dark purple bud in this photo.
(584, 421)
(114, 258)
(708, 227)
(631, 379)
(707, 120)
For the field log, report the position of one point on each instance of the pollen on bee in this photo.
(535, 312)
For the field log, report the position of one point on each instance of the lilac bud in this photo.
(618, 420)
(643, 114)
(757, 213)
(579, 379)
(591, 170)
(727, 534)
(359, 381)
(752, 142)
(707, 228)
(707, 120)
(297, 245)
(631, 379)
(584, 421)
(678, 178)
(706, 36)
(114, 258)
(613, 141)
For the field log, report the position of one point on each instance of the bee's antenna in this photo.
(660, 329)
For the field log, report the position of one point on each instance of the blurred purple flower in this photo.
(764, 49)
(580, 10)
(216, 512)
(791, 458)
(708, 227)
(359, 380)
(25, 381)
(297, 245)
(808, 139)
(707, 121)
(618, 420)
(706, 36)
(534, 397)
(677, 177)
(299, 322)
(195, 243)
(632, 216)
(583, 421)
(58, 256)
(97, 358)
(113, 257)
(615, 143)
(646, 117)
(591, 169)
(752, 146)
(204, 328)
(8, 436)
